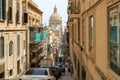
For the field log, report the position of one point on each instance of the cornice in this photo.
(32, 4)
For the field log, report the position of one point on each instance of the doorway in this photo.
(18, 67)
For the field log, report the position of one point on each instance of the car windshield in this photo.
(36, 72)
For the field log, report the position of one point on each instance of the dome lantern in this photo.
(55, 9)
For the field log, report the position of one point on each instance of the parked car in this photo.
(61, 66)
(38, 74)
(55, 70)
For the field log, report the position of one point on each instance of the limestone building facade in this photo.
(13, 52)
(34, 27)
(94, 39)
(14, 42)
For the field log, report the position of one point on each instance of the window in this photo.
(72, 30)
(75, 28)
(37, 72)
(83, 73)
(91, 33)
(114, 38)
(24, 66)
(10, 10)
(83, 31)
(2, 75)
(10, 48)
(78, 30)
(78, 71)
(24, 44)
(18, 45)
(22, 60)
(1, 47)
(18, 12)
(10, 72)
(2, 9)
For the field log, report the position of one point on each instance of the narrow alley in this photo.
(59, 39)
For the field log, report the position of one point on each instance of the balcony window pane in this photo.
(91, 33)
(1, 47)
(83, 31)
(18, 12)
(10, 48)
(18, 45)
(114, 38)
(2, 9)
(10, 10)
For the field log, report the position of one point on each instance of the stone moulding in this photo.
(101, 73)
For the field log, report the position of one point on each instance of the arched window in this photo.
(10, 48)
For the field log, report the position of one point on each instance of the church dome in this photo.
(55, 18)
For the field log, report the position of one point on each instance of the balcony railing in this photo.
(74, 9)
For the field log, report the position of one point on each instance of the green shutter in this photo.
(37, 37)
(45, 35)
(40, 36)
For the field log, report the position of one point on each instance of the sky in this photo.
(47, 7)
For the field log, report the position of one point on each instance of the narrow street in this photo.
(59, 39)
(66, 77)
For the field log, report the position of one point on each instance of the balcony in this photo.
(73, 9)
(35, 34)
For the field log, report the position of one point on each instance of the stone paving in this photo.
(67, 76)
